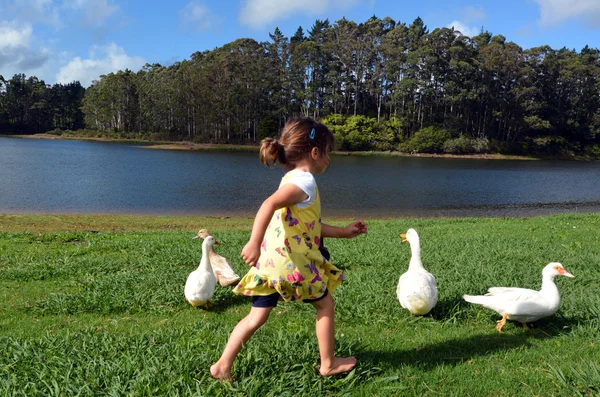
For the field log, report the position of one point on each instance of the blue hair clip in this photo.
(312, 134)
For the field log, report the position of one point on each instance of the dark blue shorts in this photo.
(271, 300)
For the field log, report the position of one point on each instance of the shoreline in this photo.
(95, 223)
(184, 145)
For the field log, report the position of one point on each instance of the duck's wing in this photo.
(191, 284)
(403, 283)
(200, 286)
(222, 270)
(420, 283)
(514, 294)
(510, 300)
(222, 265)
(428, 285)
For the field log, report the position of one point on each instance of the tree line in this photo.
(380, 85)
(30, 106)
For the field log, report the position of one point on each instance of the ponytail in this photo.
(271, 152)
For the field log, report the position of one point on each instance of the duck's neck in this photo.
(415, 259)
(549, 290)
(205, 261)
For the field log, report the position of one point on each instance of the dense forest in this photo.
(380, 85)
(30, 106)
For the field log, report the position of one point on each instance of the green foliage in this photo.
(536, 123)
(392, 129)
(87, 313)
(266, 128)
(333, 120)
(593, 151)
(460, 145)
(428, 140)
(481, 145)
(465, 145)
(503, 147)
(554, 145)
(361, 133)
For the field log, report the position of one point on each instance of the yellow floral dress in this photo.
(290, 262)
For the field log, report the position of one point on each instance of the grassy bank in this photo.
(93, 305)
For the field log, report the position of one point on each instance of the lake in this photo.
(67, 176)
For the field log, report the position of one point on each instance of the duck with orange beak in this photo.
(522, 304)
(417, 288)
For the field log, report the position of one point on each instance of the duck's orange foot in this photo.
(525, 326)
(501, 323)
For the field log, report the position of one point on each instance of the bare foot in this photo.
(220, 373)
(338, 366)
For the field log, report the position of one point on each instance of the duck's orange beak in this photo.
(218, 242)
(565, 273)
(403, 237)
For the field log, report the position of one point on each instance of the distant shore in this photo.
(172, 145)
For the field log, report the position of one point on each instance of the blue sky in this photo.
(60, 41)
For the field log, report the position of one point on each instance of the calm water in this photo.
(54, 176)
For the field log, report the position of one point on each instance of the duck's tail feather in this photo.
(418, 305)
(478, 299)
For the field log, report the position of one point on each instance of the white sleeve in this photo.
(306, 182)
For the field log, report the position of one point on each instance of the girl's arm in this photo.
(352, 230)
(286, 196)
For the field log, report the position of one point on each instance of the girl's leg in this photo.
(239, 336)
(330, 364)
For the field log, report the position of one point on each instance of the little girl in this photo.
(284, 246)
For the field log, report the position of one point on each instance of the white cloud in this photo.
(16, 54)
(102, 60)
(13, 35)
(261, 13)
(553, 12)
(95, 12)
(464, 29)
(198, 17)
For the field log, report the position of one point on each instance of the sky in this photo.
(60, 41)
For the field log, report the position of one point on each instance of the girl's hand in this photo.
(356, 228)
(251, 253)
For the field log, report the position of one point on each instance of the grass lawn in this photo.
(94, 305)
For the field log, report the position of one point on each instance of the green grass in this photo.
(95, 306)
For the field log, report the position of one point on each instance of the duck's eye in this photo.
(556, 268)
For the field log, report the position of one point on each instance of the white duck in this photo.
(221, 267)
(522, 304)
(417, 289)
(201, 283)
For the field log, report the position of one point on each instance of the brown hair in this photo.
(296, 141)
